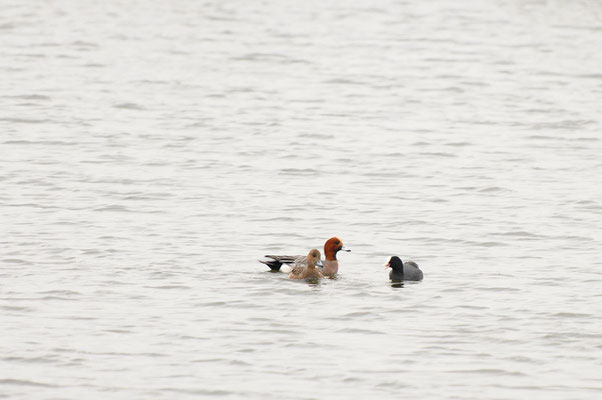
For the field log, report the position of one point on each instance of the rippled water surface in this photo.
(153, 151)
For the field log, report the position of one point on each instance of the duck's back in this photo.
(302, 272)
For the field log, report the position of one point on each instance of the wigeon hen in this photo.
(330, 265)
(308, 271)
(403, 271)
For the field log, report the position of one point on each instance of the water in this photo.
(151, 153)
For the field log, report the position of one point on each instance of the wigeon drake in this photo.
(403, 271)
(308, 271)
(330, 265)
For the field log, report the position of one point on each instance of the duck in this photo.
(329, 266)
(308, 271)
(403, 271)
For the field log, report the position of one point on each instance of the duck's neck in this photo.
(330, 267)
(330, 254)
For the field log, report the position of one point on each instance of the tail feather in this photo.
(277, 261)
(283, 259)
(273, 264)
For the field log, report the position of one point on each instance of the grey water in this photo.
(152, 152)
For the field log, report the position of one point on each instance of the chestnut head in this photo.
(332, 247)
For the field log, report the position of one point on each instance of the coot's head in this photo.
(395, 263)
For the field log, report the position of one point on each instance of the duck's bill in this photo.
(345, 249)
(319, 264)
(387, 265)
